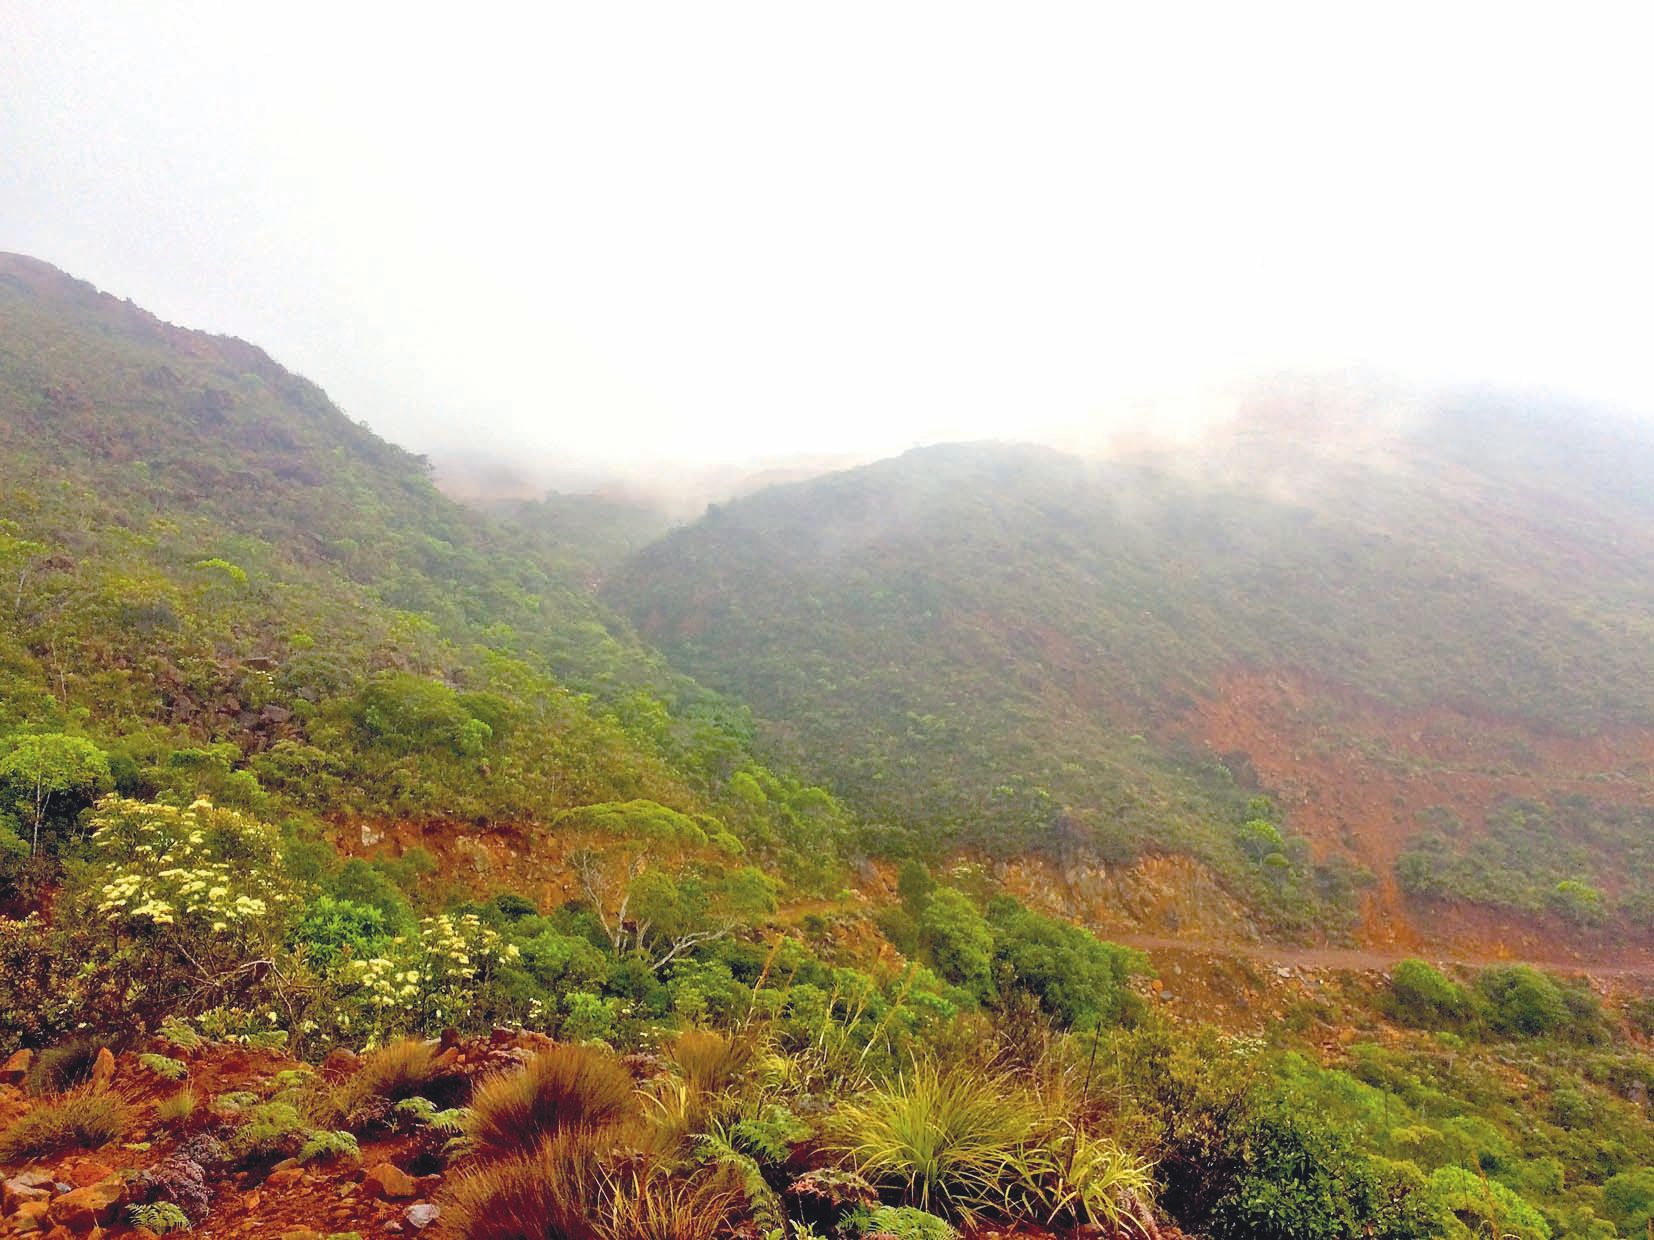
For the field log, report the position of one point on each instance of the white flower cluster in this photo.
(431, 978)
(213, 868)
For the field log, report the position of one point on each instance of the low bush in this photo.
(398, 1070)
(709, 1060)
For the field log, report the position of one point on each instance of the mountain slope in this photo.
(1003, 645)
(236, 590)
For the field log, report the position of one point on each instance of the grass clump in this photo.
(60, 1068)
(83, 1120)
(176, 1109)
(397, 1070)
(946, 1141)
(574, 1186)
(565, 1088)
(709, 1060)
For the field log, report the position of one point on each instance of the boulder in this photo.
(389, 1182)
(89, 1171)
(16, 1069)
(29, 1216)
(422, 1214)
(23, 1188)
(103, 1069)
(82, 1209)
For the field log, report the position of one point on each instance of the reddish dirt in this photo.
(1354, 775)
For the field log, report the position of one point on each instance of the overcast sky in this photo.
(717, 231)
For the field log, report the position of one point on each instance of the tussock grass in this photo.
(565, 1088)
(709, 1060)
(86, 1120)
(395, 1071)
(574, 1186)
(176, 1109)
(943, 1140)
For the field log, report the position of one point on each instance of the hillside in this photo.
(362, 873)
(1409, 632)
(236, 591)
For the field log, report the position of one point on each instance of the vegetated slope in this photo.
(235, 590)
(1004, 645)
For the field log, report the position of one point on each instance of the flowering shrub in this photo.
(436, 978)
(200, 869)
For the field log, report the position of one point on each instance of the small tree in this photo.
(41, 766)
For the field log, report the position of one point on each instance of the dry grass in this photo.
(550, 1193)
(711, 1061)
(84, 1119)
(565, 1088)
(177, 1109)
(395, 1071)
(574, 1187)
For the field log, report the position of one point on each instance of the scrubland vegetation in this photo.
(238, 631)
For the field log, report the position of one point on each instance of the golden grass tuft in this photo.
(565, 1088)
(711, 1061)
(176, 1110)
(395, 1071)
(574, 1186)
(82, 1119)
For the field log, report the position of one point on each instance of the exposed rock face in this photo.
(82, 1209)
(389, 1182)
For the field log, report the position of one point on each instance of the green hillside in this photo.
(235, 590)
(994, 644)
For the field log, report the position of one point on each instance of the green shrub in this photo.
(329, 1146)
(1078, 978)
(1427, 998)
(902, 1222)
(1522, 1001)
(1485, 1206)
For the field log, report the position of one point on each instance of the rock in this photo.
(85, 1208)
(389, 1182)
(302, 1233)
(103, 1069)
(16, 1069)
(89, 1171)
(284, 1177)
(25, 1188)
(29, 1216)
(422, 1214)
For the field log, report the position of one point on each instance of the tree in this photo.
(40, 766)
(652, 876)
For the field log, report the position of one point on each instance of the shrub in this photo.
(945, 1140)
(902, 1222)
(165, 1067)
(1484, 1205)
(1522, 1001)
(1301, 1180)
(1077, 977)
(268, 1130)
(87, 1120)
(565, 1088)
(1426, 997)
